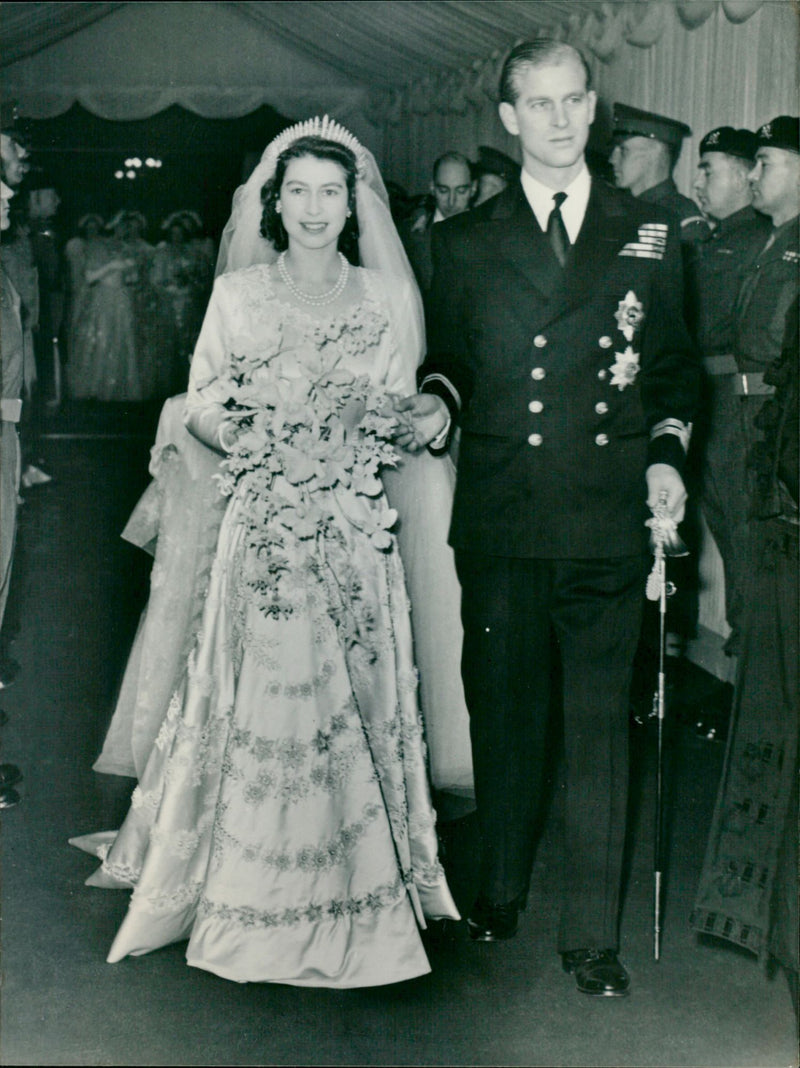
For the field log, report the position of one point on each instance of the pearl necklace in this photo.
(313, 298)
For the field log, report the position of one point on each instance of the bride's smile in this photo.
(313, 202)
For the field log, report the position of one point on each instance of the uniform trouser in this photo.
(725, 490)
(511, 610)
(9, 488)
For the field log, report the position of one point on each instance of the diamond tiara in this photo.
(325, 128)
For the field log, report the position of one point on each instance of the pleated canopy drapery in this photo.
(410, 77)
(718, 69)
(411, 55)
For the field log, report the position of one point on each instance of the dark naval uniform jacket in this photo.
(566, 383)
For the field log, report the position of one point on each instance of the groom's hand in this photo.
(664, 479)
(421, 418)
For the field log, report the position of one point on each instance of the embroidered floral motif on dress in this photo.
(294, 767)
(308, 858)
(380, 898)
(166, 901)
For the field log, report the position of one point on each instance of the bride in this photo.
(178, 519)
(282, 822)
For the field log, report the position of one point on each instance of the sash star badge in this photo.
(629, 315)
(625, 369)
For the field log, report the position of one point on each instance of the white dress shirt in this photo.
(540, 198)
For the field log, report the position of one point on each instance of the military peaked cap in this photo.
(631, 122)
(493, 161)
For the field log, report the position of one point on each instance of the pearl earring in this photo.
(278, 206)
(349, 213)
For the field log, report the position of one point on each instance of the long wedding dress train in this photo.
(282, 822)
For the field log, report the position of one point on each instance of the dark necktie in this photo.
(557, 231)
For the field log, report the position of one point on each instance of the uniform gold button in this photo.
(602, 373)
(535, 406)
(601, 439)
(540, 341)
(601, 407)
(538, 373)
(534, 439)
(605, 342)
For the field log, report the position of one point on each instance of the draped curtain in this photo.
(141, 58)
(410, 76)
(707, 72)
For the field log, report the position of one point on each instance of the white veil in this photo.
(379, 245)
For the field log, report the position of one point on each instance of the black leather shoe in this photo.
(490, 922)
(8, 797)
(438, 934)
(597, 972)
(9, 669)
(10, 775)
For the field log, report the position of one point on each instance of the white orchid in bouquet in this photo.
(325, 431)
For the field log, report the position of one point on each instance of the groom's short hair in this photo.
(536, 54)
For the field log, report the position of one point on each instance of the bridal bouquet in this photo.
(309, 441)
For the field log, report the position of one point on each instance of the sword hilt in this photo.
(664, 530)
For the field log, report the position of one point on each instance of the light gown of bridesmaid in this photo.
(104, 360)
(283, 821)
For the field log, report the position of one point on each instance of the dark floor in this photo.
(79, 591)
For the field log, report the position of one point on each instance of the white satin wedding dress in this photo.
(282, 822)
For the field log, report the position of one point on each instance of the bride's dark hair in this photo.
(272, 227)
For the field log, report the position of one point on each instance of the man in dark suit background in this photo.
(557, 344)
(452, 188)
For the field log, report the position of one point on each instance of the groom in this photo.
(559, 348)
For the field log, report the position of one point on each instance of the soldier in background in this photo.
(771, 281)
(19, 276)
(11, 355)
(43, 204)
(718, 267)
(646, 149)
(747, 892)
(16, 249)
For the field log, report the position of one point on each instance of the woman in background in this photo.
(103, 362)
(155, 331)
(90, 231)
(182, 272)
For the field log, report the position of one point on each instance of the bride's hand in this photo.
(421, 418)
